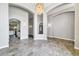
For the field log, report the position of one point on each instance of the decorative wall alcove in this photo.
(40, 24)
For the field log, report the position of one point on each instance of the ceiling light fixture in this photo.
(39, 8)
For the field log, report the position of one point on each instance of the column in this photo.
(77, 26)
(40, 20)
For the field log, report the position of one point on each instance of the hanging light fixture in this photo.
(39, 8)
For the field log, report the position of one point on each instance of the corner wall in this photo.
(77, 26)
(4, 25)
(38, 36)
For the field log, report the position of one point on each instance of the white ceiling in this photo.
(46, 5)
(31, 6)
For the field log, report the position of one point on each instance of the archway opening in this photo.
(14, 29)
(26, 18)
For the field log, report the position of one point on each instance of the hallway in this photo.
(50, 47)
(53, 28)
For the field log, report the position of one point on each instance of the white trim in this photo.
(40, 38)
(61, 38)
(63, 11)
(62, 8)
(21, 5)
(24, 39)
(52, 7)
(4, 46)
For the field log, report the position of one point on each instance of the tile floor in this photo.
(30, 47)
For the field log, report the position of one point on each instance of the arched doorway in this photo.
(26, 19)
(14, 28)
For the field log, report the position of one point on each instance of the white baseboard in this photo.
(40, 38)
(51, 36)
(24, 38)
(61, 38)
(4, 46)
(76, 48)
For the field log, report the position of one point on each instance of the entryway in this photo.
(14, 29)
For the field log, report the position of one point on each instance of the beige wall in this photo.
(77, 26)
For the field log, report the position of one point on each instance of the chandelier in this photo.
(39, 8)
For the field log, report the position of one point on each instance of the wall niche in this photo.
(40, 24)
